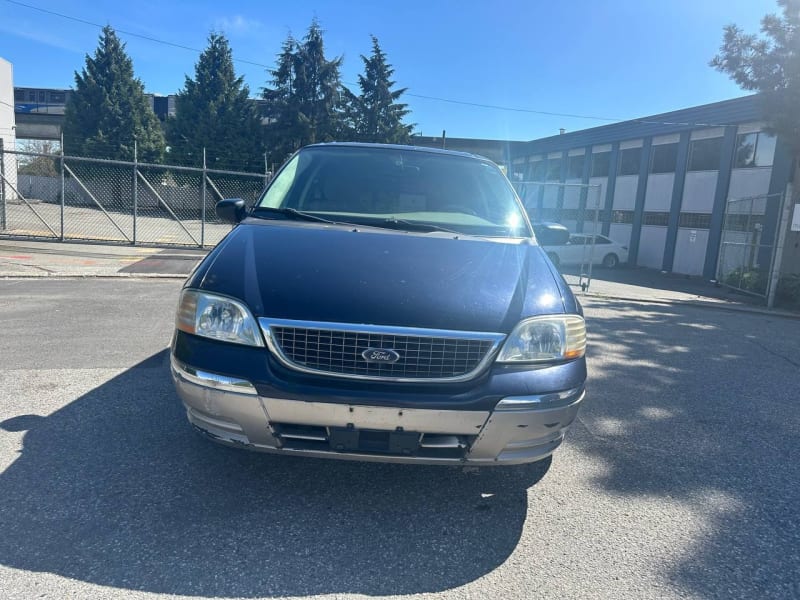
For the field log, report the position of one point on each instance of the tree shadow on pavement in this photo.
(115, 489)
(700, 407)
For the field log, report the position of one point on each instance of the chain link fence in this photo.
(52, 196)
(746, 254)
(576, 206)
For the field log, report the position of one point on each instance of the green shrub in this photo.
(749, 280)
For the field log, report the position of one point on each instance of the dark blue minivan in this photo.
(385, 303)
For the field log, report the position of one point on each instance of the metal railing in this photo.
(53, 196)
(745, 257)
(577, 206)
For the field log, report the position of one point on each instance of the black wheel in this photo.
(554, 258)
(610, 261)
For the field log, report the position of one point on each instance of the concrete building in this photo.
(8, 138)
(665, 182)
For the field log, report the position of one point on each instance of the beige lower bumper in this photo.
(525, 429)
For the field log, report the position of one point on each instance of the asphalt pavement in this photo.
(679, 479)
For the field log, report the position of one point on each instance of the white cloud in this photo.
(238, 24)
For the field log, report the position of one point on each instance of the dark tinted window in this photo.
(704, 155)
(57, 97)
(600, 164)
(629, 160)
(32, 96)
(664, 158)
(554, 169)
(537, 170)
(575, 167)
(19, 95)
(373, 186)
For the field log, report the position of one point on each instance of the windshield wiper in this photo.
(402, 224)
(291, 213)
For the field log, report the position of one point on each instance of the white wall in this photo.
(651, 246)
(749, 182)
(690, 251)
(621, 232)
(572, 195)
(625, 192)
(698, 191)
(658, 196)
(7, 125)
(597, 194)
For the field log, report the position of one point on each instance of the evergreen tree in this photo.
(213, 111)
(379, 114)
(769, 65)
(304, 103)
(108, 109)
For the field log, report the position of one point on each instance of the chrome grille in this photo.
(337, 350)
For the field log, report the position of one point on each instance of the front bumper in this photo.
(519, 429)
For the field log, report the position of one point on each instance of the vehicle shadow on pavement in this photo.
(696, 411)
(116, 489)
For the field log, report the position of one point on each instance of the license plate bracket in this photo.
(348, 439)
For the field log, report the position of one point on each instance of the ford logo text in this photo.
(380, 355)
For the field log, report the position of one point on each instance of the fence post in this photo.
(135, 187)
(780, 241)
(63, 188)
(2, 187)
(203, 204)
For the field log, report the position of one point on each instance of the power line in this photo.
(130, 33)
(409, 94)
(268, 67)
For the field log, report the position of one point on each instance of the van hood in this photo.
(349, 274)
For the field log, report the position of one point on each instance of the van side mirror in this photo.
(551, 234)
(231, 210)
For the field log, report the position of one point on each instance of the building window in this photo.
(704, 155)
(19, 95)
(629, 160)
(664, 158)
(660, 219)
(695, 221)
(32, 96)
(600, 164)
(754, 150)
(575, 167)
(622, 216)
(57, 97)
(536, 171)
(553, 169)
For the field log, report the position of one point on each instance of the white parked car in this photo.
(578, 250)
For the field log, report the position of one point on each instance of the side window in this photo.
(664, 158)
(599, 239)
(629, 160)
(754, 150)
(600, 164)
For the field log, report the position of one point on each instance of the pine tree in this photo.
(770, 65)
(304, 101)
(379, 114)
(213, 112)
(109, 110)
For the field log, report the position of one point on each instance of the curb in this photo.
(56, 275)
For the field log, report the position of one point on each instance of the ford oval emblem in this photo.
(380, 355)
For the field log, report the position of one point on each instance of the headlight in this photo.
(217, 317)
(545, 339)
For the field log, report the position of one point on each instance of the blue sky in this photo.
(616, 59)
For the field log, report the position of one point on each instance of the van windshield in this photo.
(386, 186)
